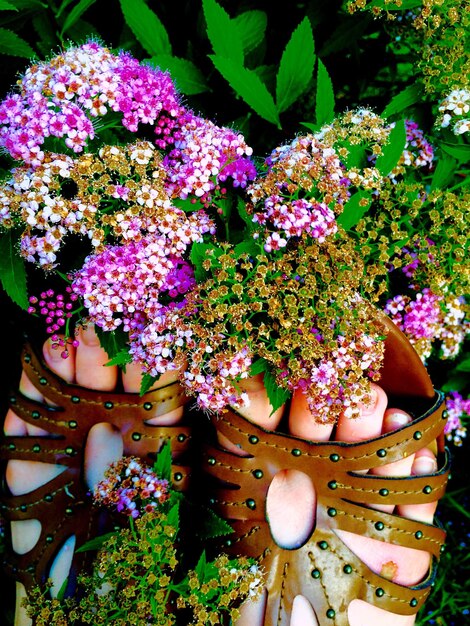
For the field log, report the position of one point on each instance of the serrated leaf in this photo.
(325, 97)
(146, 383)
(162, 465)
(146, 26)
(222, 32)
(249, 87)
(121, 359)
(445, 168)
(458, 151)
(95, 544)
(353, 211)
(393, 150)
(198, 255)
(13, 45)
(347, 33)
(213, 525)
(76, 13)
(12, 270)
(173, 517)
(277, 396)
(406, 98)
(187, 77)
(296, 66)
(251, 27)
(312, 127)
(113, 342)
(201, 566)
(259, 366)
(6, 6)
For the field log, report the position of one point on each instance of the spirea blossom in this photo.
(454, 111)
(132, 488)
(63, 98)
(457, 407)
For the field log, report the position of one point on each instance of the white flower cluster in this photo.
(454, 111)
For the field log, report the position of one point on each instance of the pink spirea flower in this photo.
(131, 488)
(62, 97)
(418, 152)
(457, 407)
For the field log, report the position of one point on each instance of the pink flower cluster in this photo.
(126, 285)
(61, 98)
(132, 488)
(418, 152)
(292, 218)
(56, 309)
(204, 155)
(457, 407)
(429, 318)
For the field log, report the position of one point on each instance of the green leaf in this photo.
(95, 544)
(12, 269)
(445, 169)
(201, 566)
(259, 366)
(456, 382)
(188, 77)
(146, 26)
(76, 13)
(312, 127)
(356, 156)
(198, 254)
(296, 66)
(393, 150)
(13, 45)
(6, 6)
(146, 383)
(63, 6)
(162, 465)
(249, 87)
(173, 517)
(463, 366)
(223, 32)
(121, 359)
(347, 34)
(353, 211)
(389, 6)
(460, 152)
(251, 27)
(406, 98)
(247, 246)
(212, 525)
(325, 97)
(113, 342)
(277, 395)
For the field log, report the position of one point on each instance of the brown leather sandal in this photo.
(323, 569)
(63, 505)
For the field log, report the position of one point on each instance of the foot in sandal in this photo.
(341, 516)
(69, 417)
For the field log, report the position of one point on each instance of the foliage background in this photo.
(357, 59)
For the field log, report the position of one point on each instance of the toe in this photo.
(302, 423)
(424, 463)
(90, 362)
(368, 424)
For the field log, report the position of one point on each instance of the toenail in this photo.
(368, 406)
(424, 465)
(89, 336)
(393, 421)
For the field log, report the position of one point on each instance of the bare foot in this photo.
(85, 367)
(291, 503)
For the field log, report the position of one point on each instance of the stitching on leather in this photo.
(394, 528)
(281, 595)
(327, 456)
(325, 594)
(234, 469)
(34, 455)
(251, 532)
(32, 504)
(95, 402)
(370, 584)
(392, 492)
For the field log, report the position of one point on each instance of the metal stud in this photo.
(35, 415)
(257, 473)
(69, 511)
(108, 404)
(381, 453)
(419, 534)
(379, 592)
(323, 545)
(330, 614)
(12, 399)
(253, 439)
(36, 448)
(27, 358)
(147, 406)
(75, 399)
(251, 504)
(48, 497)
(69, 450)
(43, 381)
(445, 414)
(413, 602)
(181, 437)
(332, 512)
(427, 490)
(136, 436)
(178, 476)
(347, 569)
(332, 484)
(23, 508)
(49, 538)
(73, 424)
(211, 460)
(379, 525)
(296, 452)
(384, 492)
(334, 457)
(315, 573)
(417, 435)
(11, 446)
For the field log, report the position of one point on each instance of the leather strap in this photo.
(63, 505)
